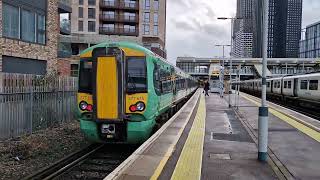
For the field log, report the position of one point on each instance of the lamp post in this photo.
(222, 72)
(263, 109)
(231, 54)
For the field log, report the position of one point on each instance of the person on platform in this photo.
(206, 88)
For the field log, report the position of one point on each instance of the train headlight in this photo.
(83, 105)
(140, 106)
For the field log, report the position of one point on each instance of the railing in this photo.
(65, 26)
(129, 5)
(109, 4)
(118, 18)
(119, 31)
(121, 5)
(29, 103)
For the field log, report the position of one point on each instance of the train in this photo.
(126, 91)
(296, 90)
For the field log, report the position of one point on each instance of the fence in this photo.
(29, 103)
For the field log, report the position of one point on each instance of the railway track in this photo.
(94, 162)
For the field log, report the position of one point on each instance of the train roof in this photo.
(135, 47)
(303, 76)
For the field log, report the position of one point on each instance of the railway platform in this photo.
(208, 140)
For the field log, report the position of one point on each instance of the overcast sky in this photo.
(193, 28)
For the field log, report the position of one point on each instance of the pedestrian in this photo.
(206, 88)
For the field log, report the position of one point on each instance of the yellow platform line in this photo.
(300, 126)
(190, 160)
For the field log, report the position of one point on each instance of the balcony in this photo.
(109, 4)
(129, 5)
(65, 27)
(119, 31)
(64, 6)
(119, 5)
(118, 18)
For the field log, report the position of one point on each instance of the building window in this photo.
(41, 30)
(80, 2)
(108, 27)
(74, 70)
(80, 12)
(91, 26)
(146, 17)
(92, 2)
(146, 4)
(28, 26)
(128, 29)
(91, 13)
(156, 5)
(146, 29)
(22, 24)
(155, 18)
(80, 26)
(155, 30)
(10, 21)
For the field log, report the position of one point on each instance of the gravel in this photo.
(27, 154)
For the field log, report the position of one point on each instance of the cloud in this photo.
(193, 28)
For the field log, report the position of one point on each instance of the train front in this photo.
(112, 95)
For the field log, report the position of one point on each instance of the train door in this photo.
(295, 87)
(108, 93)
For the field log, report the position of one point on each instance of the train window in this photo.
(156, 79)
(289, 84)
(85, 76)
(285, 84)
(268, 84)
(304, 84)
(313, 85)
(278, 84)
(136, 75)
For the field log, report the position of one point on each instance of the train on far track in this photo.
(297, 90)
(126, 90)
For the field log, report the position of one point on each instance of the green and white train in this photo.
(125, 91)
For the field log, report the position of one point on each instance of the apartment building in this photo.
(96, 21)
(29, 33)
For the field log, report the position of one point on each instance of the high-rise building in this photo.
(96, 21)
(283, 28)
(242, 31)
(310, 45)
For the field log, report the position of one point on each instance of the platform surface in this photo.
(209, 140)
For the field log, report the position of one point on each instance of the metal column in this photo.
(263, 110)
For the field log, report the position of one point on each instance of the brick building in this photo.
(29, 32)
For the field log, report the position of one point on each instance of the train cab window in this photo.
(313, 85)
(136, 75)
(85, 76)
(304, 84)
(289, 84)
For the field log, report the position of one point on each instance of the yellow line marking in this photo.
(300, 126)
(169, 152)
(190, 160)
